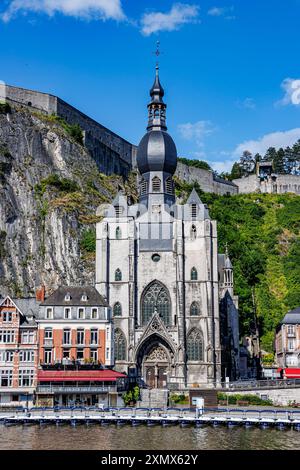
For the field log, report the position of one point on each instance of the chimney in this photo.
(40, 294)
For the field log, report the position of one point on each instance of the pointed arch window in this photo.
(194, 274)
(195, 349)
(120, 345)
(195, 309)
(118, 233)
(118, 275)
(169, 186)
(156, 184)
(193, 232)
(117, 310)
(156, 298)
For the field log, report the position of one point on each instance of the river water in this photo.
(95, 437)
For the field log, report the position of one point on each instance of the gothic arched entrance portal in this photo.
(155, 362)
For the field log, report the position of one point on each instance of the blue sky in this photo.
(230, 69)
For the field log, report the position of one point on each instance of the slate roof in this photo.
(30, 309)
(292, 317)
(94, 299)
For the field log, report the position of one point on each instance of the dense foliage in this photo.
(88, 241)
(4, 108)
(239, 398)
(263, 236)
(195, 163)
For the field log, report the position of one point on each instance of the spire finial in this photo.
(226, 250)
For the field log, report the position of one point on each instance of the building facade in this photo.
(287, 341)
(157, 266)
(18, 351)
(76, 344)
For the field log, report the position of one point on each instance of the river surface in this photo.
(95, 437)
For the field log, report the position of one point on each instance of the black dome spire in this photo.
(157, 150)
(157, 91)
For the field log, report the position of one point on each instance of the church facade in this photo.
(157, 265)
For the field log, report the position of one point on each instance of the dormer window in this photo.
(67, 297)
(156, 184)
(84, 298)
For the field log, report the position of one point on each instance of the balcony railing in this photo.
(74, 389)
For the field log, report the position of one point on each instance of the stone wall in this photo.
(208, 182)
(112, 153)
(280, 185)
(281, 397)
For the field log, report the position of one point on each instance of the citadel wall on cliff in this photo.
(111, 153)
(279, 184)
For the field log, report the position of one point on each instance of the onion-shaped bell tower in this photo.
(157, 154)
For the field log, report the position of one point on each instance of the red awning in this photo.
(292, 373)
(79, 375)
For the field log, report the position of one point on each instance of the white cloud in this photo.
(196, 131)
(179, 15)
(247, 103)
(222, 167)
(225, 12)
(216, 11)
(292, 92)
(88, 9)
(275, 139)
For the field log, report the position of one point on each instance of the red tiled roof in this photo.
(79, 375)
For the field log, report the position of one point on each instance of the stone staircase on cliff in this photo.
(154, 398)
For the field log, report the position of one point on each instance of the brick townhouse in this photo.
(76, 349)
(18, 351)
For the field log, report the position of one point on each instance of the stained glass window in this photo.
(117, 309)
(156, 298)
(195, 309)
(194, 274)
(120, 345)
(195, 345)
(118, 275)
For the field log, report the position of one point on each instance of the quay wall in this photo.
(281, 397)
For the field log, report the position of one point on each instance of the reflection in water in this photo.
(156, 438)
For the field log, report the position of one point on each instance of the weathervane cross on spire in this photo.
(157, 52)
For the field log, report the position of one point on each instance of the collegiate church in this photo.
(157, 264)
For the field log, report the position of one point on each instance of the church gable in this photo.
(156, 327)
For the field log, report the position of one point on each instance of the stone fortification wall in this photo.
(112, 153)
(206, 179)
(280, 185)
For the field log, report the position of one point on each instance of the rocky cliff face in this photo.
(49, 191)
